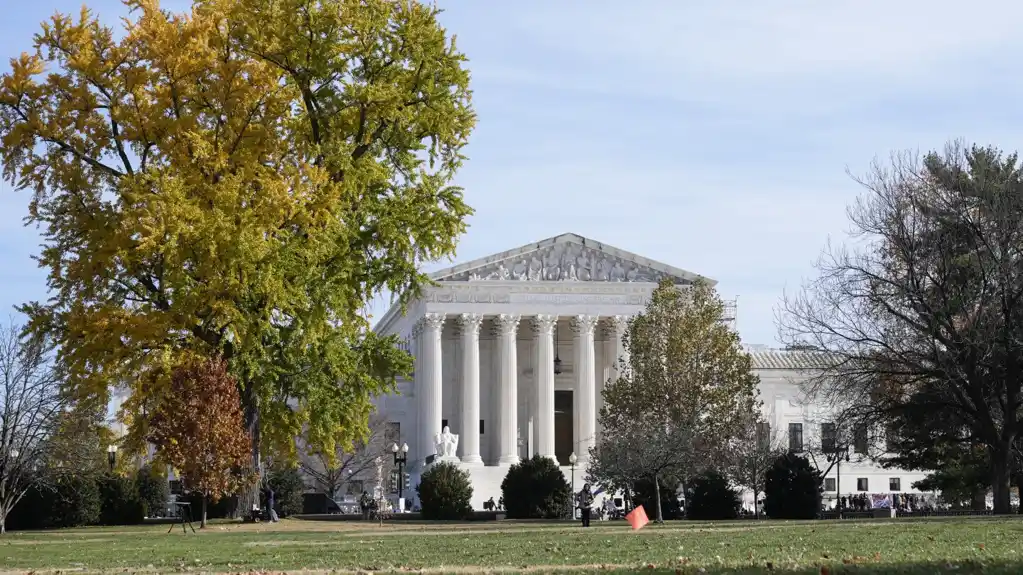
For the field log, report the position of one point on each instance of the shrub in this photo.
(644, 493)
(536, 489)
(219, 509)
(792, 489)
(445, 492)
(153, 491)
(710, 497)
(74, 502)
(288, 486)
(119, 501)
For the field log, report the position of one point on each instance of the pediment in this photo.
(568, 257)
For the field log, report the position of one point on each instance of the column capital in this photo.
(584, 324)
(432, 321)
(543, 324)
(616, 325)
(506, 324)
(470, 323)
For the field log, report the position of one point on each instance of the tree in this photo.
(792, 489)
(683, 394)
(198, 429)
(535, 488)
(710, 497)
(239, 181)
(445, 492)
(924, 317)
(31, 410)
(751, 453)
(349, 460)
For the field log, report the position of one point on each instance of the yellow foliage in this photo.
(238, 181)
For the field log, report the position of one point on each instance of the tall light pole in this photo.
(572, 459)
(400, 458)
(112, 456)
(836, 455)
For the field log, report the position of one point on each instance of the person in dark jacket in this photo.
(270, 505)
(585, 500)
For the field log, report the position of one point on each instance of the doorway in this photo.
(564, 430)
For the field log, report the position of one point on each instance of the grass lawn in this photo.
(971, 545)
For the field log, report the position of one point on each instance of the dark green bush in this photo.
(288, 486)
(792, 489)
(74, 502)
(223, 507)
(644, 493)
(445, 492)
(710, 497)
(536, 489)
(119, 501)
(153, 491)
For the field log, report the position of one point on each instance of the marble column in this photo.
(470, 432)
(586, 388)
(430, 396)
(617, 325)
(506, 326)
(543, 329)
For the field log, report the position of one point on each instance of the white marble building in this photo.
(801, 425)
(512, 351)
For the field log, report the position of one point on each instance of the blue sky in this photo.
(710, 135)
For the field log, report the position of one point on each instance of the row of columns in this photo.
(429, 378)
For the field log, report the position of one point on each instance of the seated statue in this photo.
(447, 443)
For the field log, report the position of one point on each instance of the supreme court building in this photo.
(512, 352)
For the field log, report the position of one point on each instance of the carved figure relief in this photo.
(563, 262)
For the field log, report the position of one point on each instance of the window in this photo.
(392, 433)
(829, 437)
(860, 439)
(481, 427)
(795, 437)
(862, 484)
(891, 440)
(829, 484)
(895, 484)
(763, 435)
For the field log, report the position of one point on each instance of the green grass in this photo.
(957, 545)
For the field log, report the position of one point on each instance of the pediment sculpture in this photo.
(562, 262)
(447, 443)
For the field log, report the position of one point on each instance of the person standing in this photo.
(585, 504)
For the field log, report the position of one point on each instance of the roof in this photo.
(565, 257)
(790, 359)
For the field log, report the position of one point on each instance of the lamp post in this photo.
(111, 456)
(572, 459)
(400, 458)
(836, 455)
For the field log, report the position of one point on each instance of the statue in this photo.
(447, 443)
(617, 273)
(520, 271)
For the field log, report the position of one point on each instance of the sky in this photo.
(711, 135)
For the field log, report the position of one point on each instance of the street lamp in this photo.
(400, 458)
(572, 459)
(836, 455)
(111, 456)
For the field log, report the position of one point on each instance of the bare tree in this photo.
(751, 453)
(359, 461)
(923, 315)
(31, 409)
(644, 449)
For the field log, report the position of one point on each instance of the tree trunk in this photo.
(1001, 467)
(248, 497)
(657, 494)
(202, 522)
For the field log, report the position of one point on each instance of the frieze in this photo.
(543, 293)
(563, 262)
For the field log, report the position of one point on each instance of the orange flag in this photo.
(637, 518)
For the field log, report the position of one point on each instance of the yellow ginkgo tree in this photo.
(238, 181)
